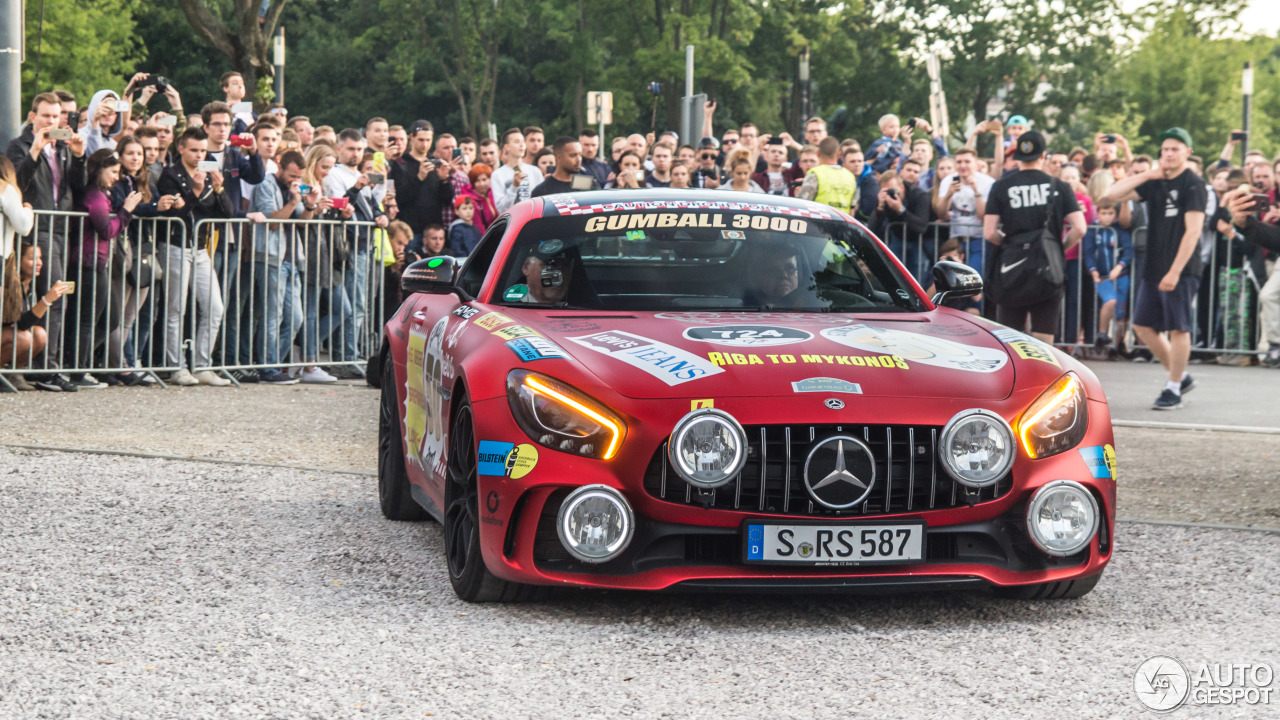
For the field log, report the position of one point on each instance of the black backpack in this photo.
(1029, 268)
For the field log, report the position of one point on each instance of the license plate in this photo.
(828, 544)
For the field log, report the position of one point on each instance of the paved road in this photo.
(1237, 396)
(138, 588)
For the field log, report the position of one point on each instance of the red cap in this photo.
(458, 200)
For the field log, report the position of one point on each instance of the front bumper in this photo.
(688, 547)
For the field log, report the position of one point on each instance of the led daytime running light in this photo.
(532, 383)
(1068, 390)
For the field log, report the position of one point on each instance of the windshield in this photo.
(727, 260)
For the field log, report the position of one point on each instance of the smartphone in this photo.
(73, 120)
(62, 134)
(380, 159)
(376, 178)
(241, 140)
(242, 107)
(169, 121)
(580, 182)
(1261, 203)
(457, 153)
(1109, 139)
(71, 286)
(122, 106)
(339, 203)
(207, 165)
(912, 124)
(1239, 136)
(304, 189)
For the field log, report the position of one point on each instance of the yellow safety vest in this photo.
(836, 186)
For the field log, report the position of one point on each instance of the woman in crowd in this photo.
(679, 176)
(630, 172)
(22, 336)
(326, 253)
(740, 168)
(946, 168)
(1079, 302)
(545, 161)
(478, 191)
(133, 284)
(16, 220)
(92, 260)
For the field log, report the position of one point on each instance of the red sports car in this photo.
(698, 390)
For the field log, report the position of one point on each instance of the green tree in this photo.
(83, 48)
(239, 29)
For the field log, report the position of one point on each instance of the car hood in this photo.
(726, 354)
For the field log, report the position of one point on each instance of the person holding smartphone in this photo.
(48, 171)
(516, 179)
(108, 116)
(23, 338)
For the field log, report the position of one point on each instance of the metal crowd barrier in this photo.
(1226, 316)
(214, 298)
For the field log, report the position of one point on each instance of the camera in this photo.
(655, 88)
(160, 82)
(1239, 136)
(1109, 139)
(891, 192)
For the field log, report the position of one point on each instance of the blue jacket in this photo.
(463, 238)
(1104, 247)
(884, 154)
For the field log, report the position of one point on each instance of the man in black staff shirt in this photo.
(568, 154)
(1176, 199)
(1023, 203)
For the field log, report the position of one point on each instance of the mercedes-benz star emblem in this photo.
(834, 403)
(840, 472)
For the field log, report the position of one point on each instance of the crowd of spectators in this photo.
(284, 291)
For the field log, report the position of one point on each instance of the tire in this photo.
(468, 574)
(1058, 590)
(373, 367)
(393, 479)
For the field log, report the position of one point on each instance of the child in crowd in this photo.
(886, 151)
(1108, 254)
(463, 235)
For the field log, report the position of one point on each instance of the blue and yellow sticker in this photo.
(504, 459)
(1101, 461)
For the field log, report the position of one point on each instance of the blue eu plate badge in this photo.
(755, 542)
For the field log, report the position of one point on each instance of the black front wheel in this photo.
(471, 580)
(393, 478)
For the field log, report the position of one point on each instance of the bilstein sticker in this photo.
(1027, 347)
(504, 459)
(747, 335)
(669, 364)
(493, 321)
(918, 348)
(826, 385)
(875, 361)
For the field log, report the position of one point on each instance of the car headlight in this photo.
(977, 447)
(595, 523)
(1056, 421)
(1062, 517)
(708, 448)
(557, 416)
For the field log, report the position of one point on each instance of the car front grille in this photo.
(909, 477)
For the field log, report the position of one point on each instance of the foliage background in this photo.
(1075, 67)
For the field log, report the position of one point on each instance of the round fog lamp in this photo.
(977, 447)
(595, 523)
(708, 448)
(1062, 518)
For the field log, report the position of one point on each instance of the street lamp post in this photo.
(1246, 85)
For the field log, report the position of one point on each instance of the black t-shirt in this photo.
(1023, 200)
(1168, 202)
(551, 186)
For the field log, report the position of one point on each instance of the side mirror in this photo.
(433, 276)
(955, 280)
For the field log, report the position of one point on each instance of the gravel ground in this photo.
(1215, 477)
(141, 588)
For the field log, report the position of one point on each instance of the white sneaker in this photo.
(317, 375)
(206, 377)
(183, 377)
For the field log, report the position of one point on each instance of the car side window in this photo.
(481, 258)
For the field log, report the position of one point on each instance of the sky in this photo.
(1263, 15)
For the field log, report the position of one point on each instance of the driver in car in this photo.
(773, 279)
(547, 273)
